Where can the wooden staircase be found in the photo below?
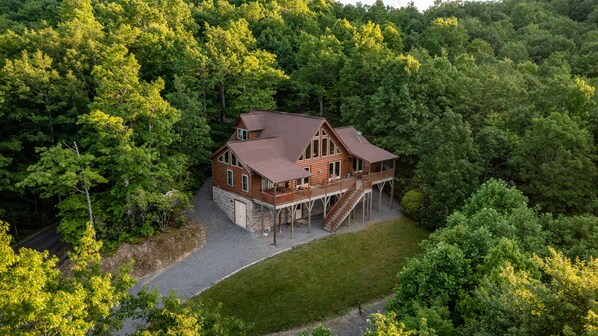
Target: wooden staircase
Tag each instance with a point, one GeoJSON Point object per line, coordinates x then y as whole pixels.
{"type": "Point", "coordinates": [339, 212]}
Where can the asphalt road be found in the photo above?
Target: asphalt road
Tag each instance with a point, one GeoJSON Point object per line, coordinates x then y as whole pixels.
{"type": "Point", "coordinates": [46, 239]}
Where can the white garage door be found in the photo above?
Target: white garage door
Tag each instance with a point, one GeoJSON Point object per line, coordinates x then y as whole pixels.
{"type": "Point", "coordinates": [241, 214]}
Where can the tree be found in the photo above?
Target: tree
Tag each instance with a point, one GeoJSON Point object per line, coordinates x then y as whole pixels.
{"type": "Point", "coordinates": [318, 63]}
{"type": "Point", "coordinates": [35, 298]}
{"type": "Point", "coordinates": [554, 164]}
{"type": "Point", "coordinates": [449, 167]}
{"type": "Point", "coordinates": [193, 130]}
{"type": "Point", "coordinates": [562, 301]}
{"type": "Point", "coordinates": [64, 172]}
{"type": "Point", "coordinates": [445, 35]}
{"type": "Point", "coordinates": [243, 76]}
{"type": "Point", "coordinates": [574, 236]}
{"type": "Point", "coordinates": [494, 228]}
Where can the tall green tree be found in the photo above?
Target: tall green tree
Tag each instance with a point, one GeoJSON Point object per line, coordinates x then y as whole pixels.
{"type": "Point", "coordinates": [65, 172]}
{"type": "Point", "coordinates": [560, 301]}
{"type": "Point", "coordinates": [555, 164]}
{"type": "Point", "coordinates": [242, 76]}
{"type": "Point", "coordinates": [449, 167]}
{"type": "Point", "coordinates": [36, 299]}
{"type": "Point", "coordinates": [318, 64]}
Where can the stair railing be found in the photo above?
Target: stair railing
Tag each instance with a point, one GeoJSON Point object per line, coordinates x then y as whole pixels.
{"type": "Point", "coordinates": [347, 207]}
{"type": "Point", "coordinates": [339, 202]}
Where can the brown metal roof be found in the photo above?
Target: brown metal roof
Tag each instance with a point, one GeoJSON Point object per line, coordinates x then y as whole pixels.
{"type": "Point", "coordinates": [294, 130]}
{"type": "Point", "coordinates": [253, 121]}
{"type": "Point", "coordinates": [360, 147]}
{"type": "Point", "coordinates": [267, 158]}
{"type": "Point", "coordinates": [284, 137]}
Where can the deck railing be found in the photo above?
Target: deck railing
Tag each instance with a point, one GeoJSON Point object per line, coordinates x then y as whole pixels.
{"type": "Point", "coordinates": [373, 177]}
{"type": "Point", "coordinates": [340, 202]}
{"type": "Point", "coordinates": [346, 206]}
{"type": "Point", "coordinates": [285, 196]}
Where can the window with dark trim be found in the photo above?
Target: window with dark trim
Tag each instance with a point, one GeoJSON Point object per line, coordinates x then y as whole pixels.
{"type": "Point", "coordinates": [245, 183]}
{"type": "Point", "coordinates": [241, 134]}
{"type": "Point", "coordinates": [229, 177]}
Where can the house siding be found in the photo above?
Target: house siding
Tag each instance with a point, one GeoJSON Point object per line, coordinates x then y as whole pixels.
{"type": "Point", "coordinates": [261, 218]}
{"type": "Point", "coordinates": [319, 166]}
{"type": "Point", "coordinates": [219, 176]}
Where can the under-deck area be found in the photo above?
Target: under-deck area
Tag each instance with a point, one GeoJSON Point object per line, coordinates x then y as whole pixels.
{"type": "Point", "coordinates": [342, 200]}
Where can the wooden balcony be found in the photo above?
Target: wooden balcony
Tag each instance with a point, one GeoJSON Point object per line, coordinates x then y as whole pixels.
{"type": "Point", "coordinates": [285, 196]}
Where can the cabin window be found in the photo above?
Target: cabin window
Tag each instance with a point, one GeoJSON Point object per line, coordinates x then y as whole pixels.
{"type": "Point", "coordinates": [241, 134]}
{"type": "Point", "coordinates": [266, 184]}
{"type": "Point", "coordinates": [324, 146]}
{"type": "Point", "coordinates": [233, 159]}
{"type": "Point", "coordinates": [229, 177]}
{"type": "Point", "coordinates": [226, 159]}
{"type": "Point", "coordinates": [221, 158]}
{"type": "Point", "coordinates": [316, 148]}
{"type": "Point", "coordinates": [333, 148]}
{"type": "Point", "coordinates": [308, 152]}
{"type": "Point", "coordinates": [303, 182]}
{"type": "Point", "coordinates": [301, 157]}
{"type": "Point", "coordinates": [245, 183]}
{"type": "Point", "coordinates": [357, 165]}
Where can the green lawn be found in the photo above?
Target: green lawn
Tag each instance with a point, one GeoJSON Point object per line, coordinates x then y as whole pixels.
{"type": "Point", "coordinates": [320, 279]}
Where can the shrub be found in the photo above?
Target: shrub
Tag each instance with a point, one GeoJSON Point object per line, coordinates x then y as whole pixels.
{"type": "Point", "coordinates": [411, 202]}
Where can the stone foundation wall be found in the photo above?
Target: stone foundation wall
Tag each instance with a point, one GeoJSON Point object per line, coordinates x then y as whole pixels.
{"type": "Point", "coordinates": [226, 201]}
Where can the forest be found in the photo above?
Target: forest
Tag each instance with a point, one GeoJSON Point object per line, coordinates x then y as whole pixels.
{"type": "Point", "coordinates": [109, 110]}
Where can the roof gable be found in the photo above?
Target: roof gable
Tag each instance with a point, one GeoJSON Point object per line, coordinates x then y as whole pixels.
{"type": "Point", "coordinates": [361, 147]}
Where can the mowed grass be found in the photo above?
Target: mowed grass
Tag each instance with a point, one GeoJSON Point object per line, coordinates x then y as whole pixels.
{"type": "Point", "coordinates": [319, 280]}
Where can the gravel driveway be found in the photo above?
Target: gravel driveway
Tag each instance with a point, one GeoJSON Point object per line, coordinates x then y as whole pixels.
{"type": "Point", "coordinates": [229, 248]}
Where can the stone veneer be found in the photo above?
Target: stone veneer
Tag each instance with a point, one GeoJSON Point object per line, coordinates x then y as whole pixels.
{"type": "Point", "coordinates": [226, 201]}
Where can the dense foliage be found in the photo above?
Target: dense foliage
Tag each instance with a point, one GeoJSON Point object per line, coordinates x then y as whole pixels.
{"type": "Point", "coordinates": [37, 298]}
{"type": "Point", "coordinates": [109, 110]}
{"type": "Point", "coordinates": [491, 271]}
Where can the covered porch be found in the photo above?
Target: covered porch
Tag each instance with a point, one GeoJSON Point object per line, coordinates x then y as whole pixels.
{"type": "Point", "coordinates": [293, 201]}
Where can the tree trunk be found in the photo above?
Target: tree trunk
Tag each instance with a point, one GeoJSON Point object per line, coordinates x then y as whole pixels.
{"type": "Point", "coordinates": [222, 114]}
{"type": "Point", "coordinates": [87, 197]}
{"type": "Point", "coordinates": [321, 101]}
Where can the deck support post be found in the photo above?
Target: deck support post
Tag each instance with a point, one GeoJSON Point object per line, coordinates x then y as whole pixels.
{"type": "Point", "coordinates": [325, 203]}
{"type": "Point", "coordinates": [380, 187]}
{"type": "Point", "coordinates": [283, 216]}
{"type": "Point", "coordinates": [392, 183]}
{"type": "Point", "coordinates": [274, 216]}
{"type": "Point", "coordinates": [310, 206]}
{"type": "Point", "coordinates": [371, 201]}
{"type": "Point", "coordinates": [365, 197]}
{"type": "Point", "coordinates": [262, 211]}
{"type": "Point", "coordinates": [293, 214]}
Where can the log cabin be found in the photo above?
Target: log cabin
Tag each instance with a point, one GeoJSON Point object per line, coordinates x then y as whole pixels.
{"type": "Point", "coordinates": [280, 167]}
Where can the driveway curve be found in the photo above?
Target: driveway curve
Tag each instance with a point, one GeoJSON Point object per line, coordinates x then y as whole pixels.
{"type": "Point", "coordinates": [229, 248]}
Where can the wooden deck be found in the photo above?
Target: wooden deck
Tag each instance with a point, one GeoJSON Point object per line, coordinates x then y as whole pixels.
{"type": "Point", "coordinates": [286, 197]}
